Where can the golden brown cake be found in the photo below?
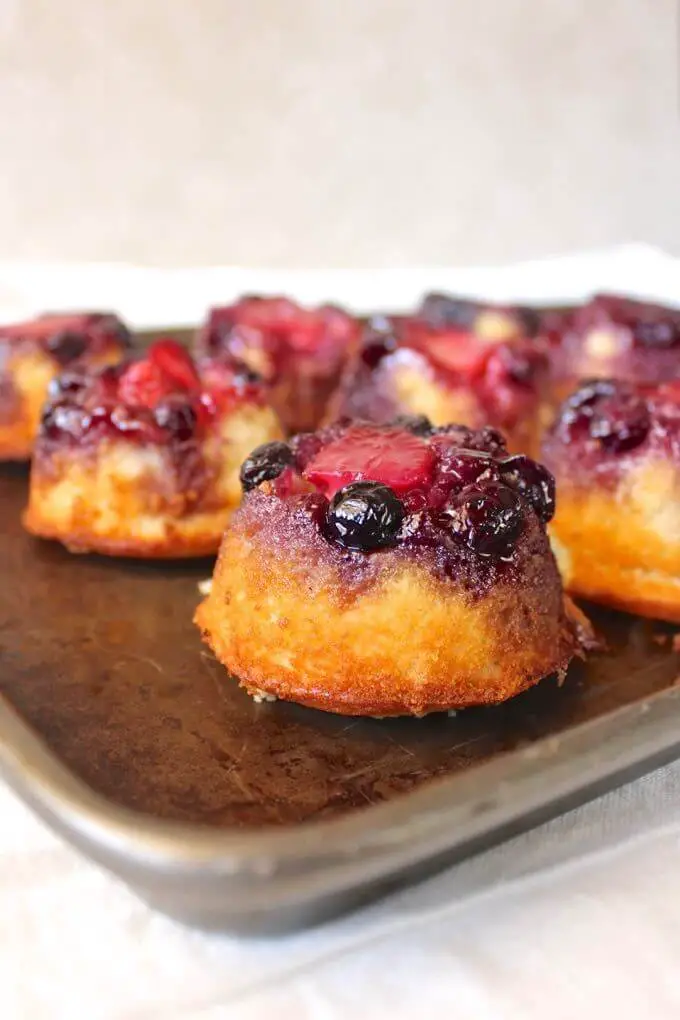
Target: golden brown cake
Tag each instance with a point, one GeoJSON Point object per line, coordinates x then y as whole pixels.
{"type": "Point", "coordinates": [615, 453]}
{"type": "Point", "coordinates": [389, 570]}
{"type": "Point", "coordinates": [33, 353]}
{"type": "Point", "coordinates": [142, 459]}
{"type": "Point", "coordinates": [299, 352]}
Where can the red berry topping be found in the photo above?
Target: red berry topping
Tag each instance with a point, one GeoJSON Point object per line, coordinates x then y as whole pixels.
{"type": "Point", "coordinates": [670, 392]}
{"type": "Point", "coordinates": [611, 412]}
{"type": "Point", "coordinates": [167, 368]}
{"type": "Point", "coordinates": [488, 518]}
{"type": "Point", "coordinates": [456, 351]}
{"type": "Point", "coordinates": [458, 467]}
{"type": "Point", "coordinates": [533, 481]}
{"type": "Point", "coordinates": [649, 325]}
{"type": "Point", "coordinates": [144, 384]}
{"type": "Point", "coordinates": [373, 454]}
{"type": "Point", "coordinates": [278, 325]}
{"type": "Point", "coordinates": [175, 362]}
{"type": "Point", "coordinates": [68, 336]}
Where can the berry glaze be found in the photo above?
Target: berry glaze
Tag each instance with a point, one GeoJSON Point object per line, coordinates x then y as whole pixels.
{"type": "Point", "coordinates": [622, 338]}
{"type": "Point", "coordinates": [164, 398]}
{"type": "Point", "coordinates": [443, 311]}
{"type": "Point", "coordinates": [299, 352]}
{"type": "Point", "coordinates": [66, 338]}
{"type": "Point", "coordinates": [366, 495]}
{"type": "Point", "coordinates": [607, 425]}
{"type": "Point", "coordinates": [503, 372]}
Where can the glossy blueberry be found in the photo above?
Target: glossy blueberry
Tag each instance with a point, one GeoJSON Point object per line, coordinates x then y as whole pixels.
{"type": "Point", "coordinates": [122, 334]}
{"type": "Point", "coordinates": [442, 310]}
{"type": "Point", "coordinates": [64, 419]}
{"type": "Point", "coordinates": [578, 410]}
{"type": "Point", "coordinates": [364, 516]}
{"type": "Point", "coordinates": [486, 439]}
{"type": "Point", "coordinates": [461, 467]}
{"type": "Point", "coordinates": [660, 334]}
{"type": "Point", "coordinates": [530, 319]}
{"type": "Point", "coordinates": [621, 423]}
{"type": "Point", "coordinates": [178, 417]}
{"type": "Point", "coordinates": [379, 339]}
{"type": "Point", "coordinates": [488, 518]}
{"type": "Point", "coordinates": [416, 424]}
{"type": "Point", "coordinates": [66, 385]}
{"type": "Point", "coordinates": [533, 481]}
{"type": "Point", "coordinates": [521, 364]}
{"type": "Point", "coordinates": [245, 376]}
{"type": "Point", "coordinates": [66, 346]}
{"type": "Point", "coordinates": [264, 463]}
{"type": "Point", "coordinates": [590, 392]}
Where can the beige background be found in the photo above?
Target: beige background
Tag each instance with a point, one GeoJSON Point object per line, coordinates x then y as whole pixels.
{"type": "Point", "coordinates": [336, 132]}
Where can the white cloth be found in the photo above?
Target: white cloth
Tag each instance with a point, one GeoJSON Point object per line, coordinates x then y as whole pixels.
{"type": "Point", "coordinates": [580, 917]}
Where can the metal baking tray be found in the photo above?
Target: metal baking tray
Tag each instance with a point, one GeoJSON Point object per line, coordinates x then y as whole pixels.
{"type": "Point", "coordinates": [122, 732]}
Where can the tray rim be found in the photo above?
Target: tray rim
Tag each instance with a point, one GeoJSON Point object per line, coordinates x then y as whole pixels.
{"type": "Point", "coordinates": [369, 842]}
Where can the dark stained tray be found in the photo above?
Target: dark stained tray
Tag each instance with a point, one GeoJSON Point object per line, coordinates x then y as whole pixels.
{"type": "Point", "coordinates": [250, 816]}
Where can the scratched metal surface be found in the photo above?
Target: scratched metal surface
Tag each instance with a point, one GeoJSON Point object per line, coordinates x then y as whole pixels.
{"type": "Point", "coordinates": [101, 658]}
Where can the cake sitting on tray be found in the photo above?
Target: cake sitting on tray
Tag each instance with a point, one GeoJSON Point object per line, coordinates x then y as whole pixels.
{"type": "Point", "coordinates": [389, 570]}
{"type": "Point", "coordinates": [142, 459]}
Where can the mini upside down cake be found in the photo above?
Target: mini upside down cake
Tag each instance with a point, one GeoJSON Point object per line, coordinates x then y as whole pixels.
{"type": "Point", "coordinates": [615, 337]}
{"type": "Point", "coordinates": [142, 459]}
{"type": "Point", "coordinates": [489, 372]}
{"type": "Point", "coordinates": [299, 352]}
{"type": "Point", "coordinates": [389, 570]}
{"type": "Point", "coordinates": [33, 353]}
{"type": "Point", "coordinates": [615, 452]}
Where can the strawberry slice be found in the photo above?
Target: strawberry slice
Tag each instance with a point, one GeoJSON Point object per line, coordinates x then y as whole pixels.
{"type": "Point", "coordinates": [455, 351]}
{"type": "Point", "coordinates": [366, 453]}
{"type": "Point", "coordinates": [669, 391]}
{"type": "Point", "coordinates": [175, 362]}
{"type": "Point", "coordinates": [144, 384]}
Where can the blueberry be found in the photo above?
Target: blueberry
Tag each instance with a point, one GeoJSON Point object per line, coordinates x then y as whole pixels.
{"type": "Point", "coordinates": [66, 385]}
{"type": "Point", "coordinates": [441, 311]}
{"type": "Point", "coordinates": [177, 417]}
{"type": "Point", "coordinates": [379, 339]}
{"type": "Point", "coordinates": [578, 410]}
{"type": "Point", "coordinates": [245, 376]}
{"type": "Point", "coordinates": [121, 333]}
{"type": "Point", "coordinates": [521, 364]}
{"type": "Point", "coordinates": [64, 419]}
{"type": "Point", "coordinates": [530, 319]}
{"type": "Point", "coordinates": [417, 424]}
{"type": "Point", "coordinates": [621, 423]}
{"type": "Point", "coordinates": [486, 439]}
{"type": "Point", "coordinates": [590, 392]}
{"type": "Point", "coordinates": [364, 516]}
{"type": "Point", "coordinates": [264, 463]}
{"type": "Point", "coordinates": [66, 346]}
{"type": "Point", "coordinates": [660, 334]}
{"type": "Point", "coordinates": [488, 518]}
{"type": "Point", "coordinates": [533, 481]}
{"type": "Point", "coordinates": [463, 467]}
